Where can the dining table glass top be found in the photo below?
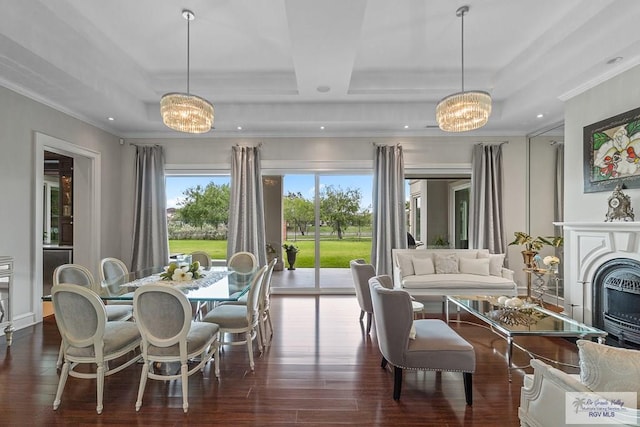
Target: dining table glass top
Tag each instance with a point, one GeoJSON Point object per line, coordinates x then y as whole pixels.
{"type": "Point", "coordinates": [216, 284]}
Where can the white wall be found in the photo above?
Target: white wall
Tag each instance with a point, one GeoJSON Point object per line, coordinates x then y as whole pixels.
{"type": "Point", "coordinates": [615, 96]}
{"type": "Point", "coordinates": [20, 117]}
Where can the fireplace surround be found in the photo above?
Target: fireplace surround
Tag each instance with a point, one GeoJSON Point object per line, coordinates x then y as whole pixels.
{"type": "Point", "coordinates": [597, 252]}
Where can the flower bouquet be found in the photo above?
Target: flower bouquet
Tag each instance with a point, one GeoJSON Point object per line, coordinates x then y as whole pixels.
{"type": "Point", "coordinates": [182, 273]}
{"type": "Point", "coordinates": [552, 263]}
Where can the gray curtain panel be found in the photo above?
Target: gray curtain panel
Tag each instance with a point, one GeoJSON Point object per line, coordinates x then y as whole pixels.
{"type": "Point", "coordinates": [486, 225]}
{"type": "Point", "coordinates": [150, 235]}
{"type": "Point", "coordinates": [558, 200]}
{"type": "Point", "coordinates": [558, 207]}
{"type": "Point", "coordinates": [246, 212]}
{"type": "Point", "coordinates": [389, 224]}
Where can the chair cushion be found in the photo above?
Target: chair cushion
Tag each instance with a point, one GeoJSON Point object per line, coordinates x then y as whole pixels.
{"type": "Point", "coordinates": [609, 369]}
{"type": "Point", "coordinates": [117, 334]}
{"type": "Point", "coordinates": [460, 282]}
{"type": "Point", "coordinates": [119, 312]}
{"type": "Point", "coordinates": [199, 335]}
{"type": "Point", "coordinates": [228, 316]}
{"type": "Point", "coordinates": [438, 347]}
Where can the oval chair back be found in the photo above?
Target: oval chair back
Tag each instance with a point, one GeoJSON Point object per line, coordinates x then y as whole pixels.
{"type": "Point", "coordinates": [112, 268]}
{"type": "Point", "coordinates": [202, 257]}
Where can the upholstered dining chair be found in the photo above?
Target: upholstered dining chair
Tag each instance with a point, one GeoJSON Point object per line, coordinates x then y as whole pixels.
{"type": "Point", "coordinates": [112, 268]}
{"type": "Point", "coordinates": [243, 262]}
{"type": "Point", "coordinates": [87, 337]}
{"type": "Point", "coordinates": [163, 315]}
{"type": "Point", "coordinates": [241, 319]}
{"type": "Point", "coordinates": [362, 272]}
{"type": "Point", "coordinates": [77, 274]}
{"type": "Point", "coordinates": [425, 344]}
{"type": "Point", "coordinates": [264, 305]}
{"type": "Point", "coordinates": [202, 257]}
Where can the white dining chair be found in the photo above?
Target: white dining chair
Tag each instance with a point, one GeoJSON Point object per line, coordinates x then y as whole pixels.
{"type": "Point", "coordinates": [88, 338]}
{"type": "Point", "coordinates": [163, 315]}
{"type": "Point", "coordinates": [79, 275]}
{"type": "Point", "coordinates": [240, 319]}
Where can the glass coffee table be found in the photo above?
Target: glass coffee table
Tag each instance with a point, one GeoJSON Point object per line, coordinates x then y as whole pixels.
{"type": "Point", "coordinates": [527, 320]}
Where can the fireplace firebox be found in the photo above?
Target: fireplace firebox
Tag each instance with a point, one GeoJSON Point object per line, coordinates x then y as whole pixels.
{"type": "Point", "coordinates": [616, 299]}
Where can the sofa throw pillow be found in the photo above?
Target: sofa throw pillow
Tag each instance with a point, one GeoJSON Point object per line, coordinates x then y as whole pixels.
{"type": "Point", "coordinates": [609, 369]}
{"type": "Point", "coordinates": [478, 266]}
{"type": "Point", "coordinates": [496, 262]}
{"type": "Point", "coordinates": [405, 262]}
{"type": "Point", "coordinates": [423, 266]}
{"type": "Point", "coordinates": [447, 264]}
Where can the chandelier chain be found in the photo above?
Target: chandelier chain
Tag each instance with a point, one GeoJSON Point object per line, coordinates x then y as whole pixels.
{"type": "Point", "coordinates": [188, 51]}
{"type": "Point", "coordinates": [462, 45]}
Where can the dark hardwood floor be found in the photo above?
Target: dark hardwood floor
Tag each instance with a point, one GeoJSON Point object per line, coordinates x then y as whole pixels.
{"type": "Point", "coordinates": [321, 369]}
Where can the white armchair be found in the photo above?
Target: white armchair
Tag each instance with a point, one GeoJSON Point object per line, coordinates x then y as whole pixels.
{"type": "Point", "coordinates": [543, 398]}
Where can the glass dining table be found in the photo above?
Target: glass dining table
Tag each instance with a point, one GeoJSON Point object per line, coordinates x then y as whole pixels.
{"type": "Point", "coordinates": [217, 284]}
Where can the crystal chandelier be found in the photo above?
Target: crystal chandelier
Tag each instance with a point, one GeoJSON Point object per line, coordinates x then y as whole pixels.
{"type": "Point", "coordinates": [463, 111]}
{"type": "Point", "coordinates": [185, 112]}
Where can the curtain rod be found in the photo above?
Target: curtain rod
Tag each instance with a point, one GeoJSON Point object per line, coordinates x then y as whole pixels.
{"type": "Point", "coordinates": [144, 145]}
{"type": "Point", "coordinates": [494, 143]}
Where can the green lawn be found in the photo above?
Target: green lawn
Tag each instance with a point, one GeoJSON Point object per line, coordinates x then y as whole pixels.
{"type": "Point", "coordinates": [333, 253]}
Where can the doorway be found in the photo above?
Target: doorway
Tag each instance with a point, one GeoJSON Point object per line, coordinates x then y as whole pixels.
{"type": "Point", "coordinates": [327, 217]}
{"type": "Point", "coordinates": [86, 196]}
{"type": "Point", "coordinates": [57, 218]}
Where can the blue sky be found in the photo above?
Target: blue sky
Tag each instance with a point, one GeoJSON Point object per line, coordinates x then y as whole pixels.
{"type": "Point", "coordinates": [303, 184]}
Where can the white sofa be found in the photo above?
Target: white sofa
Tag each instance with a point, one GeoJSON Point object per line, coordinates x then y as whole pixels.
{"type": "Point", "coordinates": [544, 399]}
{"type": "Point", "coordinates": [476, 273]}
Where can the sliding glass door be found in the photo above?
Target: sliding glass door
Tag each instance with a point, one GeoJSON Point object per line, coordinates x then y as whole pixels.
{"type": "Point", "coordinates": [327, 217]}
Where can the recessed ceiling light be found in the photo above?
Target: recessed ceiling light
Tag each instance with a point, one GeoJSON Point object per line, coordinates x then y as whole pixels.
{"type": "Point", "coordinates": [321, 127]}
{"type": "Point", "coordinates": [406, 126]}
{"type": "Point", "coordinates": [323, 89]}
{"type": "Point", "coordinates": [110, 119]}
{"type": "Point", "coordinates": [540, 116]}
{"type": "Point", "coordinates": [239, 128]}
{"type": "Point", "coordinates": [614, 60]}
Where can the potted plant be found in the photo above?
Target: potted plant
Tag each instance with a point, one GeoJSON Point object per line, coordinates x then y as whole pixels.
{"type": "Point", "coordinates": [291, 251]}
{"type": "Point", "coordinates": [533, 244]}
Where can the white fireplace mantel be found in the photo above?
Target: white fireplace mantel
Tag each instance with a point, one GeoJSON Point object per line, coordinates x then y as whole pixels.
{"type": "Point", "coordinates": [587, 245]}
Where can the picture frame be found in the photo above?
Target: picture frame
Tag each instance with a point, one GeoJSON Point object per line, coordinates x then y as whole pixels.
{"type": "Point", "coordinates": [612, 153]}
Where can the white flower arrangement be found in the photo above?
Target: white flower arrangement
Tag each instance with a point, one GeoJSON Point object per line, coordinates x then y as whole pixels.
{"type": "Point", "coordinates": [551, 260]}
{"type": "Point", "coordinates": [182, 273]}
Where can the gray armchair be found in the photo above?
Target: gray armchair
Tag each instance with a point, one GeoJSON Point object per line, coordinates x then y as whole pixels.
{"type": "Point", "coordinates": [362, 272]}
{"type": "Point", "coordinates": [435, 347]}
